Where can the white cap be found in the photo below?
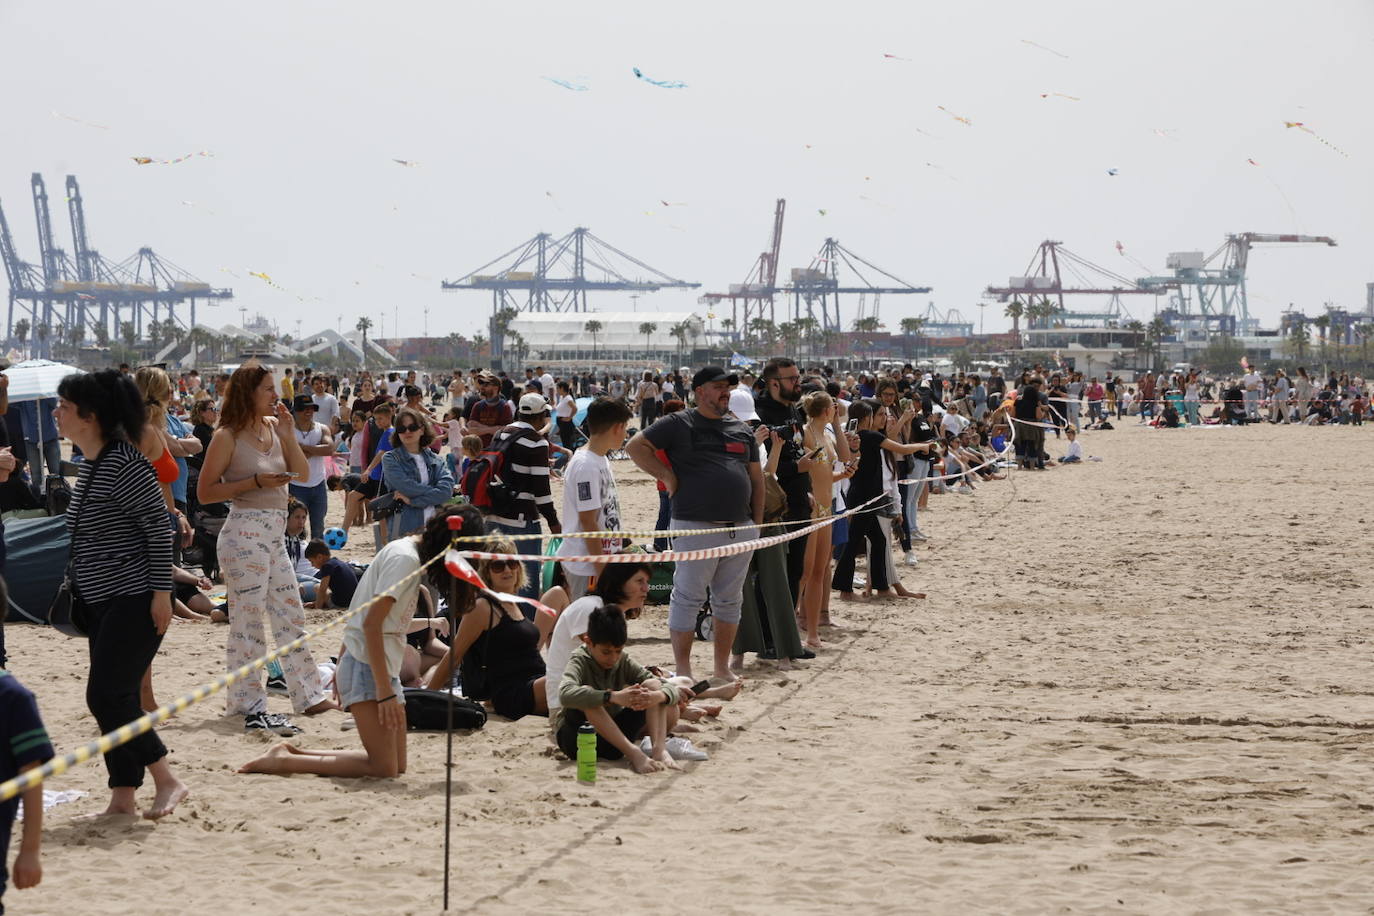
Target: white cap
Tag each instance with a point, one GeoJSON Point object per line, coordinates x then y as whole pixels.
{"type": "Point", "coordinates": [532, 405]}
{"type": "Point", "coordinates": [742, 404]}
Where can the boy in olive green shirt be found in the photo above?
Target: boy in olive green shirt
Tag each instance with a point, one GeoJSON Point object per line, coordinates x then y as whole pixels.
{"type": "Point", "coordinates": [622, 700]}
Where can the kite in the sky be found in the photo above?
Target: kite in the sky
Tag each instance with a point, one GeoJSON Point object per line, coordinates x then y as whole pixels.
{"type": "Point", "coordinates": [58, 114]}
{"type": "Point", "coordinates": [895, 57]}
{"type": "Point", "coordinates": [147, 160]}
{"type": "Point", "coordinates": [272, 283]}
{"type": "Point", "coordinates": [956, 117]}
{"type": "Point", "coordinates": [940, 168]}
{"type": "Point", "coordinates": [1060, 95]}
{"type": "Point", "coordinates": [1027, 41]}
{"type": "Point", "coordinates": [1112, 172]}
{"type": "Point", "coordinates": [567, 84]}
{"type": "Point", "coordinates": [662, 84]}
{"type": "Point", "coordinates": [1162, 132]}
{"type": "Point", "coordinates": [1301, 126]}
{"type": "Point", "coordinates": [1120, 248]}
{"type": "Point", "coordinates": [1269, 178]}
{"type": "Point", "coordinates": [408, 163]}
{"type": "Point", "coordinates": [821, 212]}
{"type": "Point", "coordinates": [667, 204]}
{"type": "Point", "coordinates": [192, 203]}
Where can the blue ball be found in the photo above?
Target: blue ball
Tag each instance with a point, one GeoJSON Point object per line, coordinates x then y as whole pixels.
{"type": "Point", "coordinates": [335, 538]}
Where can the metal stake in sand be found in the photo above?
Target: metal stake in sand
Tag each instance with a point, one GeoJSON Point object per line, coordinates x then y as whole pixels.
{"type": "Point", "coordinates": [455, 525]}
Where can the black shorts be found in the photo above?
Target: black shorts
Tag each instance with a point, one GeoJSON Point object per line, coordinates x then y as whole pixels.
{"type": "Point", "coordinates": [184, 592]}
{"type": "Point", "coordinates": [369, 488]}
{"type": "Point", "coordinates": [515, 699]}
{"type": "Point", "coordinates": [631, 722]}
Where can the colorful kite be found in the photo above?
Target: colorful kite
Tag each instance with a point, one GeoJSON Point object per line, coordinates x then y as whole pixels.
{"type": "Point", "coordinates": [1027, 41]}
{"type": "Point", "coordinates": [1120, 248]}
{"type": "Point", "coordinates": [567, 84]}
{"type": "Point", "coordinates": [662, 84]}
{"type": "Point", "coordinates": [1162, 132]}
{"type": "Point", "coordinates": [964, 121]}
{"type": "Point", "coordinates": [895, 57]}
{"type": "Point", "coordinates": [1301, 126]}
{"type": "Point", "coordinates": [1060, 95]}
{"type": "Point", "coordinates": [58, 114]}
{"type": "Point", "coordinates": [146, 160]}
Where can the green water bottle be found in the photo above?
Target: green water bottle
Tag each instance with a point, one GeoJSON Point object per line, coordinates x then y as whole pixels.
{"type": "Point", "coordinates": [586, 753]}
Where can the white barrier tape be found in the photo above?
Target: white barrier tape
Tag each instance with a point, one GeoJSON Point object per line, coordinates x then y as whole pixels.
{"type": "Point", "coordinates": [705, 553]}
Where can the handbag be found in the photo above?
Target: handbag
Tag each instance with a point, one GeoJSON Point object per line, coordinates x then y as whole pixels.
{"type": "Point", "coordinates": [472, 672]}
{"type": "Point", "coordinates": [68, 614]}
{"type": "Point", "coordinates": [384, 506]}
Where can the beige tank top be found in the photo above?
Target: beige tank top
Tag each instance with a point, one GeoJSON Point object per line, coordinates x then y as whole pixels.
{"type": "Point", "coordinates": [248, 460]}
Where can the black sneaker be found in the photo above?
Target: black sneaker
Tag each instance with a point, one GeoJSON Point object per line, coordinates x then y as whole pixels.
{"type": "Point", "coordinates": [273, 723]}
{"type": "Point", "coordinates": [277, 686]}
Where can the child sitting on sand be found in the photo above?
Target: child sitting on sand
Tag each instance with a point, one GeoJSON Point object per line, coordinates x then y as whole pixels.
{"type": "Point", "coordinates": [623, 701]}
{"type": "Point", "coordinates": [337, 580]}
{"type": "Point", "coordinates": [1074, 455]}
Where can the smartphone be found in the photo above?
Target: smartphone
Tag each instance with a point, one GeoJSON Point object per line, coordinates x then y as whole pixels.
{"type": "Point", "coordinates": [851, 426]}
{"type": "Point", "coordinates": [700, 686]}
{"type": "Point", "coordinates": [292, 474]}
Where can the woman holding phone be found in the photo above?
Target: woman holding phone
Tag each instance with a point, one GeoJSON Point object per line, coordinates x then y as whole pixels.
{"type": "Point", "coordinates": [252, 457]}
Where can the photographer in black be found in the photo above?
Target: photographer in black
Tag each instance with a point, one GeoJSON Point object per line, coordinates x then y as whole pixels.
{"type": "Point", "coordinates": [777, 407]}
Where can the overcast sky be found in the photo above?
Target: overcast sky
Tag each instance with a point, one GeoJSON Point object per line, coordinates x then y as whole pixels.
{"type": "Point", "coordinates": [305, 105]}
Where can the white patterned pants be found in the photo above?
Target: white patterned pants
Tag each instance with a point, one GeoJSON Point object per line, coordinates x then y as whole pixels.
{"type": "Point", "coordinates": [252, 556]}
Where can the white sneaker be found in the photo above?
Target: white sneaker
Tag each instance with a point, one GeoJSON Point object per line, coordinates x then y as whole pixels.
{"type": "Point", "coordinates": [919, 535]}
{"type": "Point", "coordinates": [677, 748]}
{"type": "Point", "coordinates": [909, 559]}
{"type": "Point", "coordinates": [964, 489]}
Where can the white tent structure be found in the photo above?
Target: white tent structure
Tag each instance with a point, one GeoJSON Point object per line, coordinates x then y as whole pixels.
{"type": "Point", "coordinates": [563, 335]}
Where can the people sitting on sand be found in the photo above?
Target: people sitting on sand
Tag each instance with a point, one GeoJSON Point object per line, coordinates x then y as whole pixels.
{"type": "Point", "coordinates": [335, 580]}
{"type": "Point", "coordinates": [1074, 453]}
{"type": "Point", "coordinates": [498, 644]}
{"type": "Point", "coordinates": [621, 699]}
{"type": "Point", "coordinates": [367, 678]}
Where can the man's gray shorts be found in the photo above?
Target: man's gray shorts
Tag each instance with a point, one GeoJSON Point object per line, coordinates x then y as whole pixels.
{"type": "Point", "coordinates": [722, 576]}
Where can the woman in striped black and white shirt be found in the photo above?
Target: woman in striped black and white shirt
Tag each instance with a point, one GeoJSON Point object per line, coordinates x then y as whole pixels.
{"type": "Point", "coordinates": [122, 572]}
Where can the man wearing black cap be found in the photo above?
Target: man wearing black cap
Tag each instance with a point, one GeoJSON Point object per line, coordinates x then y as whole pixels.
{"type": "Point", "coordinates": [318, 444]}
{"type": "Point", "coordinates": [714, 480]}
{"type": "Point", "coordinates": [777, 407]}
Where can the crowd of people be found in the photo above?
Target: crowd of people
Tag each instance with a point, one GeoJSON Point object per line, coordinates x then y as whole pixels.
{"type": "Point", "coordinates": [186, 482]}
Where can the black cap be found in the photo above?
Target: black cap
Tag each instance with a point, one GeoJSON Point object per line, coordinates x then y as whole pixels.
{"type": "Point", "coordinates": [713, 374]}
{"type": "Point", "coordinates": [303, 402]}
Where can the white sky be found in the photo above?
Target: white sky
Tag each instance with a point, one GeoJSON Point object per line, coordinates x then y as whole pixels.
{"type": "Point", "coordinates": [304, 105]}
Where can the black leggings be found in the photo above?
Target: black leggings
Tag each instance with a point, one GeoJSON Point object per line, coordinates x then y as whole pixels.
{"type": "Point", "coordinates": [863, 526]}
{"type": "Point", "coordinates": [567, 434]}
{"type": "Point", "coordinates": [123, 643]}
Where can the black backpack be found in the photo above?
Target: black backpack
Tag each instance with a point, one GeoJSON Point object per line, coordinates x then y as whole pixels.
{"type": "Point", "coordinates": [427, 710]}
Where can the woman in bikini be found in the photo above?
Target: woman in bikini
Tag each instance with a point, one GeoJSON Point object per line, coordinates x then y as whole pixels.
{"type": "Point", "coordinates": [819, 408]}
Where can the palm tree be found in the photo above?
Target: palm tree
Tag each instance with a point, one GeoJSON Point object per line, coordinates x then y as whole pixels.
{"type": "Point", "coordinates": [1364, 331]}
{"type": "Point", "coordinates": [128, 333]}
{"type": "Point", "coordinates": [1014, 311]}
{"type": "Point", "coordinates": [593, 327]}
{"type": "Point", "coordinates": [287, 340]}
{"type": "Point", "coordinates": [648, 328]}
{"type": "Point", "coordinates": [21, 331]}
{"type": "Point", "coordinates": [75, 335]}
{"type": "Point", "coordinates": [1138, 329]}
{"type": "Point", "coordinates": [679, 332]}
{"type": "Point", "coordinates": [363, 326]}
{"type": "Point", "coordinates": [789, 333]}
{"type": "Point", "coordinates": [42, 332]}
{"type": "Point", "coordinates": [1298, 340]}
{"type": "Point", "coordinates": [809, 328]}
{"type": "Point", "coordinates": [479, 341]}
{"type": "Point", "coordinates": [867, 325]}
{"type": "Point", "coordinates": [500, 324]}
{"type": "Point", "coordinates": [102, 335]}
{"type": "Point", "coordinates": [1155, 334]}
{"type": "Point", "coordinates": [1323, 322]}
{"type": "Point", "coordinates": [911, 327]}
{"type": "Point", "coordinates": [762, 330]}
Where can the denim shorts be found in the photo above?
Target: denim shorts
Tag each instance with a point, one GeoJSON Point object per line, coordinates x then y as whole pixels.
{"type": "Point", "coordinates": [354, 680]}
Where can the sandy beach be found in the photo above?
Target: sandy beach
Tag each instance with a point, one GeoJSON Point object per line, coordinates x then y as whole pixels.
{"type": "Point", "coordinates": [1139, 685]}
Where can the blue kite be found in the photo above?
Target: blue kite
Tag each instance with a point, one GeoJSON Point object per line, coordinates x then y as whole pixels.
{"type": "Point", "coordinates": [662, 84]}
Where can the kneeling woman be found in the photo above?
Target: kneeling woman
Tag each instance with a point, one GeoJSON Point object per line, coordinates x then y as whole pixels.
{"type": "Point", "coordinates": [503, 638]}
{"type": "Point", "coordinates": [374, 646]}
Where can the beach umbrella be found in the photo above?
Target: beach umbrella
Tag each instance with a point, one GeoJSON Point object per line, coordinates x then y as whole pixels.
{"type": "Point", "coordinates": [581, 413]}
{"type": "Point", "coordinates": [36, 378]}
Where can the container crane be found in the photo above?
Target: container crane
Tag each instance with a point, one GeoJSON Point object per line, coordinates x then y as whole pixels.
{"type": "Point", "coordinates": [1217, 294]}
{"type": "Point", "coordinates": [822, 283]}
{"type": "Point", "coordinates": [1043, 279]}
{"type": "Point", "coordinates": [752, 300]}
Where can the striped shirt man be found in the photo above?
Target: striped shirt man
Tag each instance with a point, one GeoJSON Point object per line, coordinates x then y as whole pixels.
{"type": "Point", "coordinates": [526, 473]}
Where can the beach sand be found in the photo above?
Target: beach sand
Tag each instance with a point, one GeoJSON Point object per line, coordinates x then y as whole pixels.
{"type": "Point", "coordinates": [1139, 685]}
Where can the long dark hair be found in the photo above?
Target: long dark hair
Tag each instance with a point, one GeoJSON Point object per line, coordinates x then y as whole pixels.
{"type": "Point", "coordinates": [610, 585]}
{"type": "Point", "coordinates": [435, 539]}
{"type": "Point", "coordinates": [111, 398]}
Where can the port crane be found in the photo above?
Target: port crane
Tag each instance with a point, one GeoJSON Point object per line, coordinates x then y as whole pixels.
{"type": "Point", "coordinates": [817, 288]}
{"type": "Point", "coordinates": [753, 299]}
{"type": "Point", "coordinates": [1217, 294]}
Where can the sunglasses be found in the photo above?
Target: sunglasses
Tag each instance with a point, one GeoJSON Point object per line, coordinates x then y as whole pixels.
{"type": "Point", "coordinates": [502, 565]}
{"type": "Point", "coordinates": [408, 428]}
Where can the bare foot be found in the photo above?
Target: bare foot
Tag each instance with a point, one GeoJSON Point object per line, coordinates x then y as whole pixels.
{"type": "Point", "coordinates": [114, 810]}
{"type": "Point", "coordinates": [683, 728]}
{"type": "Point", "coordinates": [906, 594]}
{"type": "Point", "coordinates": [852, 596]}
{"type": "Point", "coordinates": [321, 706]}
{"type": "Point", "coordinates": [711, 709]}
{"type": "Point", "coordinates": [263, 764]}
{"type": "Point", "coordinates": [665, 760]}
{"type": "Point", "coordinates": [729, 690]}
{"type": "Point", "coordinates": [643, 764]}
{"type": "Point", "coordinates": [167, 799]}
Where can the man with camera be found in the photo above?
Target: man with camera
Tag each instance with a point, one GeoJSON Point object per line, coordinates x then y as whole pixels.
{"type": "Point", "coordinates": [777, 407]}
